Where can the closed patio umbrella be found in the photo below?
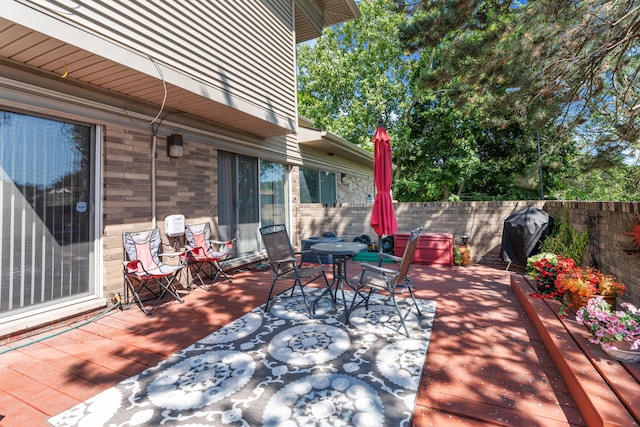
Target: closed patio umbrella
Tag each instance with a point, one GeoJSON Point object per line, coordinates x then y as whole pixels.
{"type": "Point", "coordinates": [383, 217]}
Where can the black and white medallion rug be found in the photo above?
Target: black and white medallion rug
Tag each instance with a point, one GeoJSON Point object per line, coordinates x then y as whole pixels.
{"type": "Point", "coordinates": [280, 368]}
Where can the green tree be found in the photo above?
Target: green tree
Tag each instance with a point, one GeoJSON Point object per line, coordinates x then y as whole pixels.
{"type": "Point", "coordinates": [355, 74]}
{"type": "Point", "coordinates": [572, 61]}
{"type": "Point", "coordinates": [468, 88]}
{"type": "Point", "coordinates": [439, 154]}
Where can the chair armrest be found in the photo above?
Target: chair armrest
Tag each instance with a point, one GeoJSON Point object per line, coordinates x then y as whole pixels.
{"type": "Point", "coordinates": [134, 266]}
{"type": "Point", "coordinates": [227, 243]}
{"type": "Point", "coordinates": [383, 256]}
{"type": "Point", "coordinates": [309, 251]}
{"type": "Point", "coordinates": [280, 261]}
{"type": "Point", "coordinates": [381, 270]}
{"type": "Point", "coordinates": [172, 254]}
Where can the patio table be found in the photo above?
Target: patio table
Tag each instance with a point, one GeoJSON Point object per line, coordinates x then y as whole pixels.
{"type": "Point", "coordinates": [341, 252]}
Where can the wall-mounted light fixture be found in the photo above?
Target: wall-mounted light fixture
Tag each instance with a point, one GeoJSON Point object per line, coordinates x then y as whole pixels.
{"type": "Point", "coordinates": [174, 145]}
{"type": "Point", "coordinates": [342, 177]}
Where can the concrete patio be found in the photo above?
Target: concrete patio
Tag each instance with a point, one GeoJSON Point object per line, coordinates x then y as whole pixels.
{"type": "Point", "coordinates": [495, 358]}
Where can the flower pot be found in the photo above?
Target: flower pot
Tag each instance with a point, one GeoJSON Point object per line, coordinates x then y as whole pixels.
{"type": "Point", "coordinates": [627, 356]}
{"type": "Point", "coordinates": [579, 301]}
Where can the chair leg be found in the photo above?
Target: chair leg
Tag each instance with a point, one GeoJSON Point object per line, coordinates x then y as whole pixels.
{"type": "Point", "coordinates": [366, 299]}
{"type": "Point", "coordinates": [273, 283]}
{"type": "Point", "coordinates": [215, 271]}
{"type": "Point", "coordinates": [167, 288]}
{"type": "Point", "coordinates": [357, 293]}
{"type": "Point", "coordinates": [347, 315]}
{"type": "Point", "coordinates": [363, 299]}
{"type": "Point", "coordinates": [170, 288]}
{"type": "Point", "coordinates": [125, 293]}
{"type": "Point", "coordinates": [413, 298]}
{"type": "Point", "coordinates": [395, 303]}
{"type": "Point", "coordinates": [298, 282]}
{"type": "Point", "coordinates": [198, 271]}
{"type": "Point", "coordinates": [220, 271]}
{"type": "Point", "coordinates": [143, 284]}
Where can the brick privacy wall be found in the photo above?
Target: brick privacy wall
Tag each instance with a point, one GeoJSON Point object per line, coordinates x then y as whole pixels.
{"type": "Point", "coordinates": [613, 220]}
{"type": "Point", "coordinates": [484, 222]}
{"type": "Point", "coordinates": [186, 185]}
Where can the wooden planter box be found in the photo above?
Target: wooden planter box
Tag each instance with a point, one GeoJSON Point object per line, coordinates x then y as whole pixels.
{"type": "Point", "coordinates": [432, 249]}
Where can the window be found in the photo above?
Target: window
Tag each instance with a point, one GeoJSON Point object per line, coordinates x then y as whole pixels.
{"type": "Point", "coordinates": [317, 186]}
{"type": "Point", "coordinates": [273, 206]}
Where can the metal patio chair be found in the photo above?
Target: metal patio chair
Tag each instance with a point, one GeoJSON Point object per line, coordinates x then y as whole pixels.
{"type": "Point", "coordinates": [202, 253]}
{"type": "Point", "coordinates": [376, 278]}
{"type": "Point", "coordinates": [144, 272]}
{"type": "Point", "coordinates": [286, 263]}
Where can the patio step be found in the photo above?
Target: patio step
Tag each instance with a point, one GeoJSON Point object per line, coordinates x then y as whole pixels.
{"type": "Point", "coordinates": [607, 392]}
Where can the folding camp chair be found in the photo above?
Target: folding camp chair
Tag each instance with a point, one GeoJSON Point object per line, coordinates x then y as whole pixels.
{"type": "Point", "coordinates": [203, 252]}
{"type": "Point", "coordinates": [394, 281]}
{"type": "Point", "coordinates": [145, 272]}
{"type": "Point", "coordinates": [287, 263]}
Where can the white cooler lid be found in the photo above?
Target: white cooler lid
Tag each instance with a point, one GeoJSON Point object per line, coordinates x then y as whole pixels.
{"type": "Point", "coordinates": [174, 225]}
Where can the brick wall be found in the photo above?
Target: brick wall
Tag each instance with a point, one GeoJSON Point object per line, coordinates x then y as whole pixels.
{"type": "Point", "coordinates": [186, 185]}
{"type": "Point", "coordinates": [484, 221]}
{"type": "Point", "coordinates": [607, 238]}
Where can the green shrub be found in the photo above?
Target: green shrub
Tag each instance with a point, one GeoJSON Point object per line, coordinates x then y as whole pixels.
{"type": "Point", "coordinates": [566, 241]}
{"type": "Point", "coordinates": [457, 256]}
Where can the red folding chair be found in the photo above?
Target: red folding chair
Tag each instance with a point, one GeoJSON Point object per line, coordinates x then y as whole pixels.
{"type": "Point", "coordinates": [204, 253]}
{"type": "Point", "coordinates": [144, 272]}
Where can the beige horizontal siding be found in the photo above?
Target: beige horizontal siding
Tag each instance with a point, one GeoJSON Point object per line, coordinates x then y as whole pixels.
{"type": "Point", "coordinates": [242, 47]}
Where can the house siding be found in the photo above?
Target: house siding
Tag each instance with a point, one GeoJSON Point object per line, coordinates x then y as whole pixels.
{"type": "Point", "coordinates": [226, 70]}
{"type": "Point", "coordinates": [240, 49]}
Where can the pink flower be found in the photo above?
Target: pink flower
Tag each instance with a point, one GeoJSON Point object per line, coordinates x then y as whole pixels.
{"type": "Point", "coordinates": [609, 327]}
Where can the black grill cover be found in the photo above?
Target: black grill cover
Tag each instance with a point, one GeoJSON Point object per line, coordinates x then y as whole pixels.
{"type": "Point", "coordinates": [521, 234]}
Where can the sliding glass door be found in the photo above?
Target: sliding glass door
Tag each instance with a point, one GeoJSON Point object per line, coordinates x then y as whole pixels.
{"type": "Point", "coordinates": [251, 193]}
{"type": "Point", "coordinates": [46, 221]}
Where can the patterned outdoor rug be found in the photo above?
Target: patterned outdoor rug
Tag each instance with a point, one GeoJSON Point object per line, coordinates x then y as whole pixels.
{"type": "Point", "coordinates": [280, 368]}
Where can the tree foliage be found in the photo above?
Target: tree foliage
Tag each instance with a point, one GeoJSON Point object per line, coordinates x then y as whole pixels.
{"type": "Point", "coordinates": [572, 61]}
{"type": "Point", "coordinates": [439, 154]}
{"type": "Point", "coordinates": [468, 88]}
{"type": "Point", "coordinates": [356, 74]}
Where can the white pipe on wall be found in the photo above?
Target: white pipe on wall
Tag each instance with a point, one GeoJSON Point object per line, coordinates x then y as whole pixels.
{"type": "Point", "coordinates": [154, 145]}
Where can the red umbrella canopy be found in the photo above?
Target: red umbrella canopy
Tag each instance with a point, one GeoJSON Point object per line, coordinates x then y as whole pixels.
{"type": "Point", "coordinates": [383, 217]}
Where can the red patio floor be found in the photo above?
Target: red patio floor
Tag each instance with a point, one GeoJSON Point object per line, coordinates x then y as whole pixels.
{"type": "Point", "coordinates": [486, 363]}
